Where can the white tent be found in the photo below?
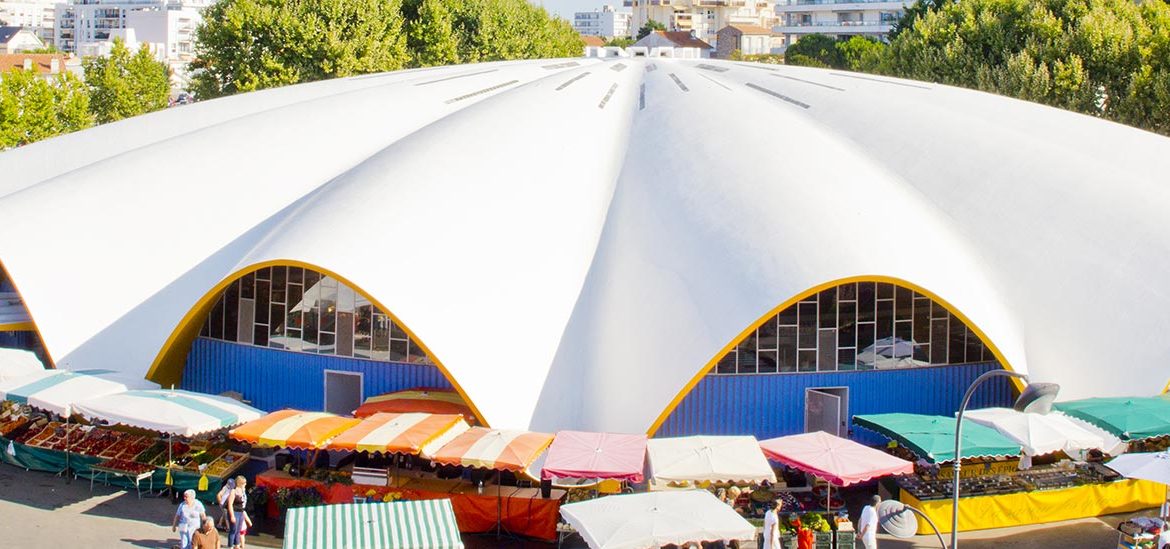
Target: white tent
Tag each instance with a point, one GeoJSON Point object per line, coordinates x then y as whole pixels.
{"type": "Point", "coordinates": [58, 390]}
{"type": "Point", "coordinates": [180, 413]}
{"type": "Point", "coordinates": [1038, 434]}
{"type": "Point", "coordinates": [15, 363]}
{"type": "Point", "coordinates": [1153, 466]}
{"type": "Point", "coordinates": [708, 458]}
{"type": "Point", "coordinates": [637, 521]}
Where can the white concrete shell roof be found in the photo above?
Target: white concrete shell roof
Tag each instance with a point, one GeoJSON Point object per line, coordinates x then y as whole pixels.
{"type": "Point", "coordinates": [574, 241]}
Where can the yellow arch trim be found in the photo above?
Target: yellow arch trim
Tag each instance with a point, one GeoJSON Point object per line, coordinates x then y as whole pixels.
{"type": "Point", "coordinates": [30, 325]}
{"type": "Point", "coordinates": [168, 365]}
{"type": "Point", "coordinates": [690, 386]}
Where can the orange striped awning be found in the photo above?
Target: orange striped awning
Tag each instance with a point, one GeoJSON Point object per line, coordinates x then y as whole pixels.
{"type": "Point", "coordinates": [493, 449]}
{"type": "Point", "coordinates": [431, 401]}
{"type": "Point", "coordinates": [401, 433]}
{"type": "Point", "coordinates": [294, 429]}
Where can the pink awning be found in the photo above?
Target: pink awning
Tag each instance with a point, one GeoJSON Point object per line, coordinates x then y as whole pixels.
{"type": "Point", "coordinates": [577, 454]}
{"type": "Point", "coordinates": [839, 461]}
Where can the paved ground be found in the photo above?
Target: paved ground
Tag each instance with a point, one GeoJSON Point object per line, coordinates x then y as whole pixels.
{"type": "Point", "coordinates": [42, 510]}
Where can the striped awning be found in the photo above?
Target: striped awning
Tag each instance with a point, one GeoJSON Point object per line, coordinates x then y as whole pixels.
{"type": "Point", "coordinates": [401, 433]}
{"type": "Point", "coordinates": [294, 429]}
{"type": "Point", "coordinates": [426, 524]}
{"type": "Point", "coordinates": [432, 401]}
{"type": "Point", "coordinates": [177, 412]}
{"type": "Point", "coordinates": [493, 449]}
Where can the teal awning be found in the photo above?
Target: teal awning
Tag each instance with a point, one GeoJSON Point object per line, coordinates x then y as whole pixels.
{"type": "Point", "coordinates": [933, 437]}
{"type": "Point", "coordinates": [1129, 418]}
{"type": "Point", "coordinates": [427, 524]}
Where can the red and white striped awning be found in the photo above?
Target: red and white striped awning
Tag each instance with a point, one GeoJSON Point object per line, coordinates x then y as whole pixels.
{"type": "Point", "coordinates": [412, 433]}
{"type": "Point", "coordinates": [493, 449]}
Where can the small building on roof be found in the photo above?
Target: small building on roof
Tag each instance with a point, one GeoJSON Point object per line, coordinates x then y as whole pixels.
{"type": "Point", "coordinates": [19, 39]}
{"type": "Point", "coordinates": [45, 64]}
{"type": "Point", "coordinates": [748, 39]}
{"type": "Point", "coordinates": [674, 39]}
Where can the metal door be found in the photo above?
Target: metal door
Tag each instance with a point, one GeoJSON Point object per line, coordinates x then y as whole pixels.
{"type": "Point", "coordinates": [343, 392]}
{"type": "Point", "coordinates": [822, 412]}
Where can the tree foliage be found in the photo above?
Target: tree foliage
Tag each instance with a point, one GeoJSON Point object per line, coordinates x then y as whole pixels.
{"type": "Point", "coordinates": [650, 26]}
{"type": "Point", "coordinates": [620, 42]}
{"type": "Point", "coordinates": [124, 84]}
{"type": "Point", "coordinates": [1108, 58]}
{"type": "Point", "coordinates": [248, 45]}
{"type": "Point", "coordinates": [815, 50]}
{"type": "Point", "coordinates": [862, 54]}
{"type": "Point", "coordinates": [32, 108]}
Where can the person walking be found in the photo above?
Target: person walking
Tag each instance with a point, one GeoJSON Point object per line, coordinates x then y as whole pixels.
{"type": "Point", "coordinates": [867, 523]}
{"type": "Point", "coordinates": [188, 517]}
{"type": "Point", "coordinates": [206, 537]}
{"type": "Point", "coordinates": [238, 519]}
{"type": "Point", "coordinates": [772, 526]}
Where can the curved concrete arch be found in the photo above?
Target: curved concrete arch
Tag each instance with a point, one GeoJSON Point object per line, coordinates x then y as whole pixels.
{"type": "Point", "coordinates": [747, 332]}
{"type": "Point", "coordinates": [167, 368]}
{"type": "Point", "coordinates": [30, 326]}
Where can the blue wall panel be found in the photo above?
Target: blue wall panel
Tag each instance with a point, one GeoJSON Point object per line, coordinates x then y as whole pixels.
{"type": "Point", "coordinates": [274, 379]}
{"type": "Point", "coordinates": [771, 405]}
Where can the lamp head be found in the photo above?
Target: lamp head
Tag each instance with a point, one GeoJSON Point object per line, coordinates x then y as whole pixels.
{"type": "Point", "coordinates": [897, 519]}
{"type": "Point", "coordinates": [1037, 398]}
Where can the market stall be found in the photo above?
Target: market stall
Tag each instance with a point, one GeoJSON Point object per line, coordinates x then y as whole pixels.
{"type": "Point", "coordinates": [427, 400]}
{"type": "Point", "coordinates": [600, 456]}
{"type": "Point", "coordinates": [16, 363]}
{"type": "Point", "coordinates": [1039, 434]}
{"type": "Point", "coordinates": [995, 491]}
{"type": "Point", "coordinates": [498, 450]}
{"type": "Point", "coordinates": [294, 429]}
{"type": "Point", "coordinates": [428, 524]}
{"type": "Point", "coordinates": [655, 519]}
{"type": "Point", "coordinates": [679, 462]}
{"type": "Point", "coordinates": [406, 433]}
{"type": "Point", "coordinates": [1130, 418]}
{"type": "Point", "coordinates": [838, 461]}
{"type": "Point", "coordinates": [57, 390]}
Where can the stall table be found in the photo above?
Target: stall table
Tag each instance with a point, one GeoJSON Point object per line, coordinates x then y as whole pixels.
{"type": "Point", "coordinates": [1039, 506]}
{"type": "Point", "coordinates": [136, 479]}
{"type": "Point", "coordinates": [524, 512]}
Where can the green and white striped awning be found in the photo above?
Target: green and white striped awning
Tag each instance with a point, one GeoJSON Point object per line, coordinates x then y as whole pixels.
{"type": "Point", "coordinates": [404, 524]}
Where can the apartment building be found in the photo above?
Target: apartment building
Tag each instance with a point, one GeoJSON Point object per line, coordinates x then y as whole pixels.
{"type": "Point", "coordinates": [703, 18]}
{"type": "Point", "coordinates": [37, 15]}
{"type": "Point", "coordinates": [607, 22]}
{"type": "Point", "coordinates": [837, 18]}
{"type": "Point", "coordinates": [83, 24]}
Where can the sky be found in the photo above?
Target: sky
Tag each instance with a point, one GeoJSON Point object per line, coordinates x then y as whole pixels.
{"type": "Point", "coordinates": [566, 8]}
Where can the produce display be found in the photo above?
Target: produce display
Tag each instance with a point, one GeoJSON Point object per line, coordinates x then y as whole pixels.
{"type": "Point", "coordinates": [132, 468]}
{"type": "Point", "coordinates": [1051, 477]}
{"type": "Point", "coordinates": [226, 464]}
{"type": "Point", "coordinates": [13, 417]}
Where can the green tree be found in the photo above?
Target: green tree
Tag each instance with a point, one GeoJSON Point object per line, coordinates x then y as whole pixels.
{"type": "Point", "coordinates": [815, 50]}
{"type": "Point", "coordinates": [862, 54]}
{"type": "Point", "coordinates": [650, 26]}
{"type": "Point", "coordinates": [1107, 58]}
{"type": "Point", "coordinates": [620, 42]}
{"type": "Point", "coordinates": [245, 45]}
{"type": "Point", "coordinates": [432, 38]}
{"type": "Point", "coordinates": [496, 30]}
{"type": "Point", "coordinates": [122, 84]}
{"type": "Point", "coordinates": [32, 108]}
{"type": "Point", "coordinates": [912, 13]}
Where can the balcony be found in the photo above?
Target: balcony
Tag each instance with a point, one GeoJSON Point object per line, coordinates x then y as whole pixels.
{"type": "Point", "coordinates": [720, 3]}
{"type": "Point", "coordinates": [835, 27]}
{"type": "Point", "coordinates": [806, 6]}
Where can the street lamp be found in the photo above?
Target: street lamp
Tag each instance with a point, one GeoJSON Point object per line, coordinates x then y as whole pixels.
{"type": "Point", "coordinates": [1035, 398]}
{"type": "Point", "coordinates": [894, 519]}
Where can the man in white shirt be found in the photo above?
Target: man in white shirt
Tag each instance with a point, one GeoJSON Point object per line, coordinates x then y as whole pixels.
{"type": "Point", "coordinates": [771, 525]}
{"type": "Point", "coordinates": [867, 524]}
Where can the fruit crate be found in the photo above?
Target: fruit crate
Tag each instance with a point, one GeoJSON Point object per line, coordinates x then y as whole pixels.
{"type": "Point", "coordinates": [822, 540]}
{"type": "Point", "coordinates": [845, 540]}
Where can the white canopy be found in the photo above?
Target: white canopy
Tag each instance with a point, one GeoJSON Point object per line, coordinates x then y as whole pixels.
{"type": "Point", "coordinates": [180, 413]}
{"type": "Point", "coordinates": [1038, 434]}
{"type": "Point", "coordinates": [653, 519]}
{"type": "Point", "coordinates": [58, 390]}
{"type": "Point", "coordinates": [15, 363]}
{"type": "Point", "coordinates": [1153, 466]}
{"type": "Point", "coordinates": [708, 458]}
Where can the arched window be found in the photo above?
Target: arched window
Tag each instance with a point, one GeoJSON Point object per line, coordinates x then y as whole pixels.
{"type": "Point", "coordinates": [857, 326]}
{"type": "Point", "coordinates": [298, 309]}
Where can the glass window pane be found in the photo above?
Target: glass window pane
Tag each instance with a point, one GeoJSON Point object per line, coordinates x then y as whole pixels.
{"type": "Point", "coordinates": [922, 320]}
{"type": "Point", "coordinates": [766, 335]}
{"type": "Point", "coordinates": [396, 331]}
{"type": "Point", "coordinates": [264, 274]}
{"type": "Point", "coordinates": [310, 333]}
{"type": "Point", "coordinates": [885, 318]}
{"type": "Point", "coordinates": [864, 336]}
{"type": "Point", "coordinates": [766, 362]}
{"type": "Point", "coordinates": [346, 299]}
{"type": "Point", "coordinates": [846, 292]}
{"type": "Point", "coordinates": [974, 347]}
{"type": "Point", "coordinates": [885, 290]}
{"type": "Point", "coordinates": [904, 331]}
{"type": "Point", "coordinates": [312, 278]}
{"type": "Point", "coordinates": [787, 317]}
{"type": "Point", "coordinates": [747, 356]}
{"type": "Point", "coordinates": [957, 347]}
{"type": "Point", "coordinates": [808, 325]}
{"type": "Point", "coordinates": [247, 318]}
{"type": "Point", "coordinates": [398, 351]}
{"type": "Point", "coordinates": [416, 354]}
{"type": "Point", "coordinates": [846, 359]}
{"type": "Point", "coordinates": [260, 335]}
{"type": "Point", "coordinates": [276, 329]}
{"type": "Point", "coordinates": [903, 303]}
{"type": "Point", "coordinates": [726, 364]}
{"type": "Point", "coordinates": [865, 301]}
{"type": "Point", "coordinates": [231, 311]}
{"type": "Point", "coordinates": [787, 349]}
{"type": "Point", "coordinates": [344, 334]}
{"type": "Point", "coordinates": [827, 302]}
{"type": "Point", "coordinates": [248, 286]}
{"type": "Point", "coordinates": [938, 341]}
{"type": "Point", "coordinates": [362, 334]}
{"type": "Point", "coordinates": [279, 282]}
{"type": "Point", "coordinates": [262, 287]}
{"type": "Point", "coordinates": [216, 322]}
{"type": "Point", "coordinates": [292, 340]}
{"type": "Point", "coordinates": [295, 275]}
{"type": "Point", "coordinates": [827, 350]}
{"type": "Point", "coordinates": [922, 353]}
{"type": "Point", "coordinates": [937, 310]}
{"type": "Point", "coordinates": [807, 361]}
{"type": "Point", "coordinates": [846, 324]}
{"type": "Point", "coordinates": [381, 335]}
{"type": "Point", "coordinates": [326, 343]}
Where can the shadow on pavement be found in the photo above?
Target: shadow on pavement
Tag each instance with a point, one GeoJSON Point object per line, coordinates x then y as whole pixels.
{"type": "Point", "coordinates": [154, 543]}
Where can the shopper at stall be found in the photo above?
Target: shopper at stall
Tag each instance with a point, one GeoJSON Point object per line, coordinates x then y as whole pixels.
{"type": "Point", "coordinates": [867, 524]}
{"type": "Point", "coordinates": [206, 537]}
{"type": "Point", "coordinates": [188, 517]}
{"type": "Point", "coordinates": [772, 526]}
{"type": "Point", "coordinates": [238, 519]}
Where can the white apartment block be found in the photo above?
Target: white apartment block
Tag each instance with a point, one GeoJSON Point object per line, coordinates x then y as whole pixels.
{"type": "Point", "coordinates": [704, 18]}
{"type": "Point", "coordinates": [82, 25]}
{"type": "Point", "coordinates": [837, 18]}
{"type": "Point", "coordinates": [606, 22]}
{"type": "Point", "coordinates": [37, 15]}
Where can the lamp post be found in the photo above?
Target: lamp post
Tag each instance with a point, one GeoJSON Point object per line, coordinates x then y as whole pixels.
{"type": "Point", "coordinates": [1035, 398]}
{"type": "Point", "coordinates": [893, 519]}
